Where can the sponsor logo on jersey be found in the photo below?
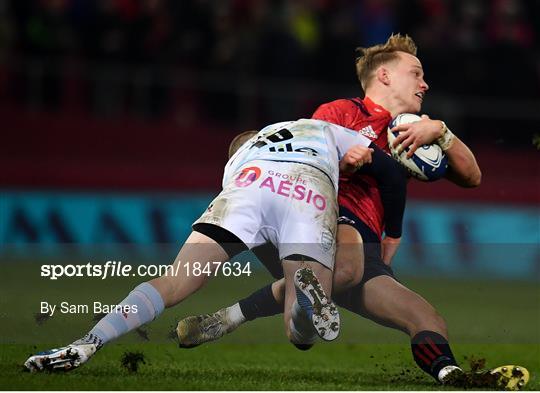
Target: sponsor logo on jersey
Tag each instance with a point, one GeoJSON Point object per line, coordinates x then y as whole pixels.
{"type": "Point", "coordinates": [368, 132]}
{"type": "Point", "coordinates": [295, 191]}
{"type": "Point", "coordinates": [247, 176]}
{"type": "Point", "coordinates": [285, 176]}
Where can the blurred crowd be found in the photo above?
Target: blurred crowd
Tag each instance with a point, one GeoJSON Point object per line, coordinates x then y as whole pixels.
{"type": "Point", "coordinates": [474, 47]}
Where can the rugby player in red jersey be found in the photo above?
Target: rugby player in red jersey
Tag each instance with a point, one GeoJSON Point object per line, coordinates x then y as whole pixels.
{"type": "Point", "coordinates": [393, 79]}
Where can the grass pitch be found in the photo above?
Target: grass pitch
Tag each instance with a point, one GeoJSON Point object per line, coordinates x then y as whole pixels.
{"type": "Point", "coordinates": [222, 366]}
{"type": "Point", "coordinates": [495, 320]}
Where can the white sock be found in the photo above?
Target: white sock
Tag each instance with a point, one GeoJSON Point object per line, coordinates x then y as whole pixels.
{"type": "Point", "coordinates": [234, 315]}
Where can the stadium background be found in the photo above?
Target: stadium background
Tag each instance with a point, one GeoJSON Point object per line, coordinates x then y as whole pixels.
{"type": "Point", "coordinates": [116, 116]}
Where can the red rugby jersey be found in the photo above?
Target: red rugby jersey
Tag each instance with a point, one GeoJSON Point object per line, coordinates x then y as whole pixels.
{"type": "Point", "coordinates": [359, 193]}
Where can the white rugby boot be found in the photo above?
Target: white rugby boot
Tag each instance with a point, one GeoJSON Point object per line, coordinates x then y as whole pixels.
{"type": "Point", "coordinates": [316, 304]}
{"type": "Point", "coordinates": [61, 359]}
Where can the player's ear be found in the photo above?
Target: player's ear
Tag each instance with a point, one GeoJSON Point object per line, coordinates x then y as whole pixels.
{"type": "Point", "coordinates": [383, 75]}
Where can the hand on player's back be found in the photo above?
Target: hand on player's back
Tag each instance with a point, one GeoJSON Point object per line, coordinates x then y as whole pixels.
{"type": "Point", "coordinates": [354, 158]}
{"type": "Point", "coordinates": [414, 135]}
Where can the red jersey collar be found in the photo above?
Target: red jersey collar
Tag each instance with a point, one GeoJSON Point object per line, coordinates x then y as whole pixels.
{"type": "Point", "coordinates": [375, 108]}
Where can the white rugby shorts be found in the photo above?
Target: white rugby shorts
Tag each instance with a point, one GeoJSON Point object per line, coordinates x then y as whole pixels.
{"type": "Point", "coordinates": [292, 205]}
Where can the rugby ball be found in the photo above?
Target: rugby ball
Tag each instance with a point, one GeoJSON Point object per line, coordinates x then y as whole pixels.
{"type": "Point", "coordinates": [428, 163]}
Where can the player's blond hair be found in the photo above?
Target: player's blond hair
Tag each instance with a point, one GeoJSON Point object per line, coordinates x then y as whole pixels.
{"type": "Point", "coordinates": [239, 140]}
{"type": "Point", "coordinates": [369, 59]}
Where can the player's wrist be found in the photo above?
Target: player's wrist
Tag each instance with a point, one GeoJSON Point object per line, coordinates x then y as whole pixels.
{"type": "Point", "coordinates": [390, 239]}
{"type": "Point", "coordinates": [446, 140]}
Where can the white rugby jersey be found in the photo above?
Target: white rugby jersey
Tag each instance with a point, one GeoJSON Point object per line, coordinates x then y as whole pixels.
{"type": "Point", "coordinates": [307, 141]}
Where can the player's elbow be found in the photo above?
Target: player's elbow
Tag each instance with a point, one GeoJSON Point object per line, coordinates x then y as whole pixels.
{"type": "Point", "coordinates": [470, 179]}
{"type": "Point", "coordinates": [474, 179]}
{"type": "Point", "coordinates": [477, 179]}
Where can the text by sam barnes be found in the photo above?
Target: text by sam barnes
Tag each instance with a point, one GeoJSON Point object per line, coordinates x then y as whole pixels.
{"type": "Point", "coordinates": [95, 308]}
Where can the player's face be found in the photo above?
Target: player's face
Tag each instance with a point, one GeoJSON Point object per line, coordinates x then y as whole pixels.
{"type": "Point", "coordinates": [407, 82]}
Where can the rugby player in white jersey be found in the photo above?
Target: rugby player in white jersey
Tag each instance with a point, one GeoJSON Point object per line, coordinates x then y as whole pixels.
{"type": "Point", "coordinates": [282, 189]}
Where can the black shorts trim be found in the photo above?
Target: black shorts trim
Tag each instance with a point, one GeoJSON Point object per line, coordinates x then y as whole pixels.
{"type": "Point", "coordinates": [269, 256]}
{"type": "Point", "coordinates": [299, 258]}
{"type": "Point", "coordinates": [349, 218]}
{"type": "Point", "coordinates": [227, 240]}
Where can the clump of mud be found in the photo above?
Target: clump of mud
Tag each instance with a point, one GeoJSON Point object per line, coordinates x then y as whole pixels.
{"type": "Point", "coordinates": [478, 377]}
{"type": "Point", "coordinates": [41, 318]}
{"type": "Point", "coordinates": [131, 361]}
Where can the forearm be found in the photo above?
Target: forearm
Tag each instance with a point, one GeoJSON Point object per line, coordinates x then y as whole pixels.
{"type": "Point", "coordinates": [463, 169]}
{"type": "Point", "coordinates": [392, 183]}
